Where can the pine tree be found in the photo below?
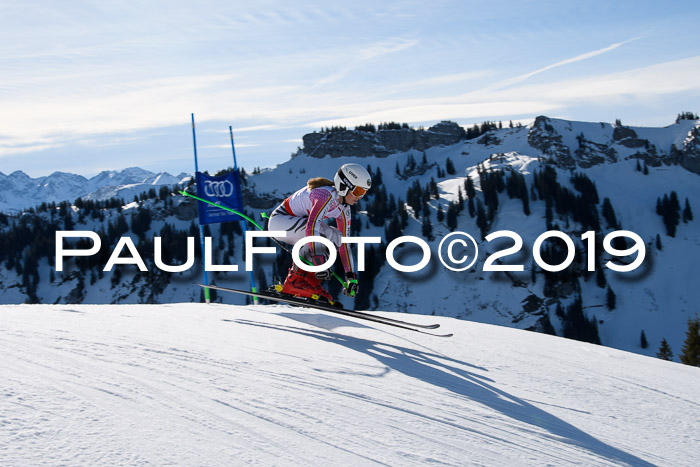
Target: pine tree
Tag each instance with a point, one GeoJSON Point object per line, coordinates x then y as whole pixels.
{"type": "Point", "coordinates": [643, 340]}
{"type": "Point", "coordinates": [658, 242]}
{"type": "Point", "coordinates": [600, 277]}
{"type": "Point", "coordinates": [670, 213]}
{"type": "Point", "coordinates": [472, 209]}
{"type": "Point", "coordinates": [525, 198]}
{"type": "Point", "coordinates": [427, 229]}
{"type": "Point", "coordinates": [68, 223]}
{"type": "Point", "coordinates": [469, 188]}
{"type": "Point", "coordinates": [481, 220]}
{"type": "Point", "coordinates": [578, 326]}
{"type": "Point", "coordinates": [548, 214]}
{"type": "Point", "coordinates": [434, 194]}
{"type": "Point", "coordinates": [440, 213]}
{"type": "Point", "coordinates": [664, 352]}
{"type": "Point", "coordinates": [403, 214]}
{"type": "Point", "coordinates": [687, 212]}
{"type": "Point", "coordinates": [611, 299]}
{"type": "Point", "coordinates": [686, 116]}
{"type": "Point", "coordinates": [393, 230]}
{"type": "Point", "coordinates": [675, 203]}
{"type": "Point", "coordinates": [377, 178]}
{"type": "Point", "coordinates": [164, 193]}
{"type": "Point", "coordinates": [452, 217]}
{"type": "Point", "coordinates": [609, 214]}
{"type": "Point", "coordinates": [690, 352]}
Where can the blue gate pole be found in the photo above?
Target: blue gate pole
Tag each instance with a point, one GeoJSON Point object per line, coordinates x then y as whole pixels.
{"type": "Point", "coordinates": [201, 228]}
{"type": "Point", "coordinates": [253, 288]}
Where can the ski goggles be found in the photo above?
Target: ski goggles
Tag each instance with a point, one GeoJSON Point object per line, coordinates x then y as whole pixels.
{"type": "Point", "coordinates": [358, 191]}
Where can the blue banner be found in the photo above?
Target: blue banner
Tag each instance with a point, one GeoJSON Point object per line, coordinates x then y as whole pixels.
{"type": "Point", "coordinates": [224, 190]}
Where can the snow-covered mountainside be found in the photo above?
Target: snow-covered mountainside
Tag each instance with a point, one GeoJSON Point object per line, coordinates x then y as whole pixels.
{"type": "Point", "coordinates": [633, 168]}
{"type": "Point", "coordinates": [18, 191]}
{"type": "Point", "coordinates": [194, 384]}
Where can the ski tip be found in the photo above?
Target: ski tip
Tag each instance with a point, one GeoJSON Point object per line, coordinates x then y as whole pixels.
{"type": "Point", "coordinates": [439, 335]}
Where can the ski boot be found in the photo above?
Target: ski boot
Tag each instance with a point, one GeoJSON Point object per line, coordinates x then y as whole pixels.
{"type": "Point", "coordinates": [303, 284]}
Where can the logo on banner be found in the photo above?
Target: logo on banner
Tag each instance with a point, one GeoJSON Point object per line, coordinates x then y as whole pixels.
{"type": "Point", "coordinates": [224, 190]}
{"type": "Point", "coordinates": [218, 189]}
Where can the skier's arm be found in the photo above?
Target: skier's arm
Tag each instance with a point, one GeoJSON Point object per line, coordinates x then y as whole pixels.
{"type": "Point", "coordinates": [320, 202]}
{"type": "Point", "coordinates": [343, 224]}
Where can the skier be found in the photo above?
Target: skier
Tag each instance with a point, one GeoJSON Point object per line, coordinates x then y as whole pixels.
{"type": "Point", "coordinates": [302, 214]}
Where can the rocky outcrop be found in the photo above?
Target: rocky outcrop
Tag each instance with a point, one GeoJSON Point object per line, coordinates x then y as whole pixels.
{"type": "Point", "coordinates": [627, 137]}
{"type": "Point", "coordinates": [587, 153]}
{"type": "Point", "coordinates": [544, 137]}
{"type": "Point", "coordinates": [623, 133]}
{"type": "Point", "coordinates": [690, 155]}
{"type": "Point", "coordinates": [590, 153]}
{"type": "Point", "coordinates": [346, 143]}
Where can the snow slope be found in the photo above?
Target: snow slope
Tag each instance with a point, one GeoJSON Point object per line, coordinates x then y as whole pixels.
{"type": "Point", "coordinates": [192, 384]}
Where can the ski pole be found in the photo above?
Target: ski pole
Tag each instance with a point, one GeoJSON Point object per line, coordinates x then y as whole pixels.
{"type": "Point", "coordinates": [284, 247]}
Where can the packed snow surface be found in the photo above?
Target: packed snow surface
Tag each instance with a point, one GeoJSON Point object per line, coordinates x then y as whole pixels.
{"type": "Point", "coordinates": [194, 384]}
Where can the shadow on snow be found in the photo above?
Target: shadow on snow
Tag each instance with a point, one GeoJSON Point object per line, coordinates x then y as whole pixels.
{"type": "Point", "coordinates": [449, 374]}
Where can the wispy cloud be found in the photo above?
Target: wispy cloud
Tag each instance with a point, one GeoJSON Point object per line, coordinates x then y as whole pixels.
{"type": "Point", "coordinates": [640, 83]}
{"type": "Point", "coordinates": [255, 128]}
{"type": "Point", "coordinates": [365, 53]}
{"type": "Point", "coordinates": [568, 61]}
{"type": "Point", "coordinates": [387, 47]}
{"type": "Point", "coordinates": [442, 111]}
{"type": "Point", "coordinates": [10, 150]}
{"type": "Point", "coordinates": [35, 125]}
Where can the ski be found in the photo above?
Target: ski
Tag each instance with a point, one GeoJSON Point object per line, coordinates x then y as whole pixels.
{"type": "Point", "coordinates": [329, 307]}
{"type": "Point", "coordinates": [333, 309]}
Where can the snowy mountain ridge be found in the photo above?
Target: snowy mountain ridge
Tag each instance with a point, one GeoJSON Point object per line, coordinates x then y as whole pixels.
{"type": "Point", "coordinates": [18, 191]}
{"type": "Point", "coordinates": [571, 143]}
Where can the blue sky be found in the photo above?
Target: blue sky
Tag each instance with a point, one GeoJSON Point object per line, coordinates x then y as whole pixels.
{"type": "Point", "coordinates": [87, 86]}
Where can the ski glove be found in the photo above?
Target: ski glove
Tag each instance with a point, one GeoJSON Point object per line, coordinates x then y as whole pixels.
{"type": "Point", "coordinates": [322, 275]}
{"type": "Point", "coordinates": [351, 286]}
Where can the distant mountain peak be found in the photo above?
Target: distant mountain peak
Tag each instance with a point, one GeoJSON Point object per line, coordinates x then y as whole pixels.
{"type": "Point", "coordinates": [20, 191]}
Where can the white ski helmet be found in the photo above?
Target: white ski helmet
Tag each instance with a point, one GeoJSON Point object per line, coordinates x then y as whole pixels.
{"type": "Point", "coordinates": [352, 178]}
